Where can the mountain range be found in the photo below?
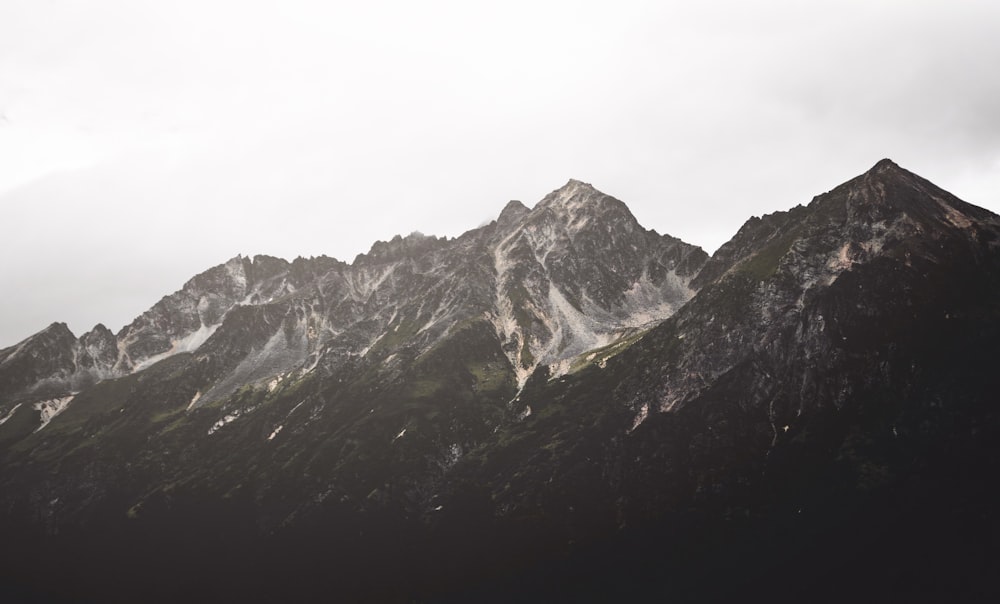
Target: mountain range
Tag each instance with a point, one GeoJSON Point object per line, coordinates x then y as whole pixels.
{"type": "Point", "coordinates": [560, 405]}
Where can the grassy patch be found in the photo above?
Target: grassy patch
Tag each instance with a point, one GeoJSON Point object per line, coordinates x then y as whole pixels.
{"type": "Point", "coordinates": [397, 334]}
{"type": "Point", "coordinates": [292, 388]}
{"type": "Point", "coordinates": [600, 355]}
{"type": "Point", "coordinates": [167, 415]}
{"type": "Point", "coordinates": [764, 263]}
{"type": "Point", "coordinates": [177, 423]}
{"type": "Point", "coordinates": [425, 388]}
{"type": "Point", "coordinates": [489, 376]}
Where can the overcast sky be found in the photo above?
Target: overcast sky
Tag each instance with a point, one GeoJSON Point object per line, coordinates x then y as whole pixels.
{"type": "Point", "coordinates": [142, 142]}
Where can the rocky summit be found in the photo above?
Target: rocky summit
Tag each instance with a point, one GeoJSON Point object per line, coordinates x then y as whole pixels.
{"type": "Point", "coordinates": [558, 406]}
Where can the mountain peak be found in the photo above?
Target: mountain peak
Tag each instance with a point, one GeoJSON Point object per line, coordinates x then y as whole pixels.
{"type": "Point", "coordinates": [884, 165]}
{"type": "Point", "coordinates": [574, 186]}
{"type": "Point", "coordinates": [514, 206]}
{"type": "Point", "coordinates": [885, 189]}
{"type": "Point", "coordinates": [446, 396]}
{"type": "Point", "coordinates": [413, 244]}
{"type": "Point", "coordinates": [511, 212]}
{"type": "Point", "coordinates": [100, 328]}
{"type": "Point", "coordinates": [883, 170]}
{"type": "Point", "coordinates": [889, 191]}
{"type": "Point", "coordinates": [60, 328]}
{"type": "Point", "coordinates": [572, 196]}
{"type": "Point", "coordinates": [887, 170]}
{"type": "Point", "coordinates": [55, 332]}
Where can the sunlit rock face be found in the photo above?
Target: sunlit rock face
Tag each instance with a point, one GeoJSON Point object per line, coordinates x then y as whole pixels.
{"type": "Point", "coordinates": [578, 271]}
{"type": "Point", "coordinates": [559, 397]}
{"type": "Point", "coordinates": [575, 273]}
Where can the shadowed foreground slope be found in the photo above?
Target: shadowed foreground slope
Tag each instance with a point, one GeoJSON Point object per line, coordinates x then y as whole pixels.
{"type": "Point", "coordinates": [538, 410]}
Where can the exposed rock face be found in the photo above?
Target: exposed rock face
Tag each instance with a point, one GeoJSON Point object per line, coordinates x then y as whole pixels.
{"type": "Point", "coordinates": [817, 393]}
{"type": "Point", "coordinates": [886, 226]}
{"type": "Point", "coordinates": [53, 361]}
{"type": "Point", "coordinates": [99, 352]}
{"type": "Point", "coordinates": [573, 274]}
{"type": "Point", "coordinates": [560, 384]}
{"type": "Point", "coordinates": [578, 270]}
{"type": "Point", "coordinates": [47, 355]}
{"type": "Point", "coordinates": [184, 320]}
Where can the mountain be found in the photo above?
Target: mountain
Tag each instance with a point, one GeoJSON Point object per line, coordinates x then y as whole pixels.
{"type": "Point", "coordinates": [574, 273]}
{"type": "Point", "coordinates": [557, 406]}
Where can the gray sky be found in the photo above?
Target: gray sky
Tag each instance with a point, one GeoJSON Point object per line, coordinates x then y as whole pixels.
{"type": "Point", "coordinates": [142, 142]}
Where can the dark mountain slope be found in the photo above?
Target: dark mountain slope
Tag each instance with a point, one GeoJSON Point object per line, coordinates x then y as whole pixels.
{"type": "Point", "coordinates": [265, 396]}
{"type": "Point", "coordinates": [532, 412]}
{"type": "Point", "coordinates": [818, 421]}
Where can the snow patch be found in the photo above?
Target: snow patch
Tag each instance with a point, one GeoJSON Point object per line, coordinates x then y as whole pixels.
{"type": "Point", "coordinates": [559, 368]}
{"type": "Point", "coordinates": [640, 417]}
{"type": "Point", "coordinates": [9, 415]}
{"type": "Point", "coordinates": [296, 407]}
{"type": "Point", "coordinates": [194, 399]}
{"type": "Point", "coordinates": [228, 419]}
{"type": "Point", "coordinates": [275, 381]}
{"type": "Point", "coordinates": [188, 343]}
{"type": "Point", "coordinates": [51, 408]}
{"type": "Point", "coordinates": [400, 435]}
{"type": "Point", "coordinates": [275, 433]}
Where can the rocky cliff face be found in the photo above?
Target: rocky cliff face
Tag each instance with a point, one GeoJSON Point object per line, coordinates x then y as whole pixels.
{"type": "Point", "coordinates": [575, 273]}
{"type": "Point", "coordinates": [558, 398]}
{"type": "Point", "coordinates": [810, 405]}
{"type": "Point", "coordinates": [54, 361]}
{"type": "Point", "coordinates": [886, 228]}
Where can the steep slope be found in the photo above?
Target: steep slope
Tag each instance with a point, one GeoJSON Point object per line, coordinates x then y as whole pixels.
{"type": "Point", "coordinates": [822, 408]}
{"type": "Point", "coordinates": [420, 343]}
{"type": "Point", "coordinates": [574, 273]}
{"type": "Point", "coordinates": [558, 406]}
{"type": "Point", "coordinates": [577, 271]}
{"type": "Point", "coordinates": [360, 384]}
{"type": "Point", "coordinates": [55, 359]}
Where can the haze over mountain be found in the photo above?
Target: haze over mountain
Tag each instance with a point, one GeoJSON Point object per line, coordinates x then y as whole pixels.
{"type": "Point", "coordinates": [559, 405]}
{"type": "Point", "coordinates": [153, 139]}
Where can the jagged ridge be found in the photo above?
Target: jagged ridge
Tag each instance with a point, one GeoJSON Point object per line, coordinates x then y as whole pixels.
{"type": "Point", "coordinates": [823, 402]}
{"type": "Point", "coordinates": [574, 273]}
